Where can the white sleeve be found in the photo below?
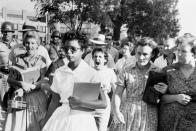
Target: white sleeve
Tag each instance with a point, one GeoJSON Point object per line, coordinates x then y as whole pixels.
{"type": "Point", "coordinates": [54, 86]}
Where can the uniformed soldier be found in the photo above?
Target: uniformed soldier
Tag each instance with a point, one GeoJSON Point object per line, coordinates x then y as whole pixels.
{"type": "Point", "coordinates": [54, 48]}
{"type": "Point", "coordinates": [7, 42]}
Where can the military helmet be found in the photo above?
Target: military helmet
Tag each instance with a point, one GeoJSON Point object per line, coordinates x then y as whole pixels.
{"type": "Point", "coordinates": [7, 26]}
{"type": "Point", "coordinates": [56, 34]}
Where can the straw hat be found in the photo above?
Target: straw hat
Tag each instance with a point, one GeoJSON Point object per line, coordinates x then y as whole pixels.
{"type": "Point", "coordinates": [99, 40]}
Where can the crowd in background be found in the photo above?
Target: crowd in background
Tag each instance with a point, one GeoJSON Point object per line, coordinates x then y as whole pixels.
{"type": "Point", "coordinates": [122, 69]}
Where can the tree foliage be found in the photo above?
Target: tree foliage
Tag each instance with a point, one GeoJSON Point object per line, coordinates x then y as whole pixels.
{"type": "Point", "coordinates": [156, 19]}
{"type": "Point", "coordinates": [153, 18]}
{"type": "Point", "coordinates": [73, 13]}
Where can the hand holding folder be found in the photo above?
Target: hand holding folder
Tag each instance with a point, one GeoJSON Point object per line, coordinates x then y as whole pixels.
{"type": "Point", "coordinates": [86, 92]}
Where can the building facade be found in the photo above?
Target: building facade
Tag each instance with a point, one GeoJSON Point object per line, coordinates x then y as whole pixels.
{"type": "Point", "coordinates": [19, 17]}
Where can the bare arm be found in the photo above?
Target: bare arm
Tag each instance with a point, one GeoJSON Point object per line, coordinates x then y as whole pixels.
{"type": "Point", "coordinates": [26, 86]}
{"type": "Point", "coordinates": [180, 98]}
{"type": "Point", "coordinates": [117, 98]}
{"type": "Point", "coordinates": [169, 98]}
{"type": "Point", "coordinates": [116, 101]}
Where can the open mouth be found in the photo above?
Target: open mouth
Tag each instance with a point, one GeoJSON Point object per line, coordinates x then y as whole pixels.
{"type": "Point", "coordinates": [97, 63]}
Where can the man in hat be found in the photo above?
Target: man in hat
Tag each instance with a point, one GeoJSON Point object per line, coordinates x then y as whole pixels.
{"type": "Point", "coordinates": [168, 53]}
{"type": "Point", "coordinates": [99, 41]}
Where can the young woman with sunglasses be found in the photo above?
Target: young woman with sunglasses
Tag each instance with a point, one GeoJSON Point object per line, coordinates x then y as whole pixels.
{"type": "Point", "coordinates": [71, 115]}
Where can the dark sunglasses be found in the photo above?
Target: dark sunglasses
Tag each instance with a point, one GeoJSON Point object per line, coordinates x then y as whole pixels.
{"type": "Point", "coordinates": [56, 37]}
{"type": "Point", "coordinates": [71, 48]}
{"type": "Point", "coordinates": [108, 39]}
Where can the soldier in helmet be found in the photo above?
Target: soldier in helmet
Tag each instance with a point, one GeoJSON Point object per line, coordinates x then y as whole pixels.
{"type": "Point", "coordinates": [7, 29]}
{"type": "Point", "coordinates": [7, 44]}
{"type": "Point", "coordinates": [54, 48]}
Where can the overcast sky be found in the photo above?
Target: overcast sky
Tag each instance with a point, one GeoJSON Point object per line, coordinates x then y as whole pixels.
{"type": "Point", "coordinates": [17, 4]}
{"type": "Point", "coordinates": [187, 8]}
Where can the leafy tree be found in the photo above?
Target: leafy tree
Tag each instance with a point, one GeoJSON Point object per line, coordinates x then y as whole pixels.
{"type": "Point", "coordinates": [73, 13]}
{"type": "Point", "coordinates": [118, 12]}
{"type": "Point", "coordinates": [153, 18]}
{"type": "Point", "coordinates": [156, 19]}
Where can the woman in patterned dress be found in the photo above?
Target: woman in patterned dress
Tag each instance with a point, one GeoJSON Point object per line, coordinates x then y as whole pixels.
{"type": "Point", "coordinates": [28, 119]}
{"type": "Point", "coordinates": [136, 114]}
{"type": "Point", "coordinates": [178, 108]}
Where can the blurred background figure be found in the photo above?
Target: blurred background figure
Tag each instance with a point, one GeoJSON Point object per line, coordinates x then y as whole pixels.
{"type": "Point", "coordinates": [127, 59]}
{"type": "Point", "coordinates": [7, 43]}
{"type": "Point", "coordinates": [54, 47]}
{"type": "Point", "coordinates": [110, 47]}
{"type": "Point", "coordinates": [167, 53]}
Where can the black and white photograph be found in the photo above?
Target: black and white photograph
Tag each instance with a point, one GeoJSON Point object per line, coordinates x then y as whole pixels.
{"type": "Point", "coordinates": [97, 65]}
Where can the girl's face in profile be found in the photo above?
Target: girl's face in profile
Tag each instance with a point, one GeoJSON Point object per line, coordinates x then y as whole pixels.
{"type": "Point", "coordinates": [99, 59]}
{"type": "Point", "coordinates": [31, 45]}
{"type": "Point", "coordinates": [143, 55]}
{"type": "Point", "coordinates": [126, 50]}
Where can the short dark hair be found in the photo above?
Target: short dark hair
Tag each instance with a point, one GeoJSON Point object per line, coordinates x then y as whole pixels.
{"type": "Point", "coordinates": [147, 41]}
{"type": "Point", "coordinates": [102, 51]}
{"type": "Point", "coordinates": [75, 35]}
{"type": "Point", "coordinates": [126, 42]}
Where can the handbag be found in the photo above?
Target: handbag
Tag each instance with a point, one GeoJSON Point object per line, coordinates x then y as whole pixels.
{"type": "Point", "coordinates": [17, 102]}
{"type": "Point", "coordinates": [151, 96]}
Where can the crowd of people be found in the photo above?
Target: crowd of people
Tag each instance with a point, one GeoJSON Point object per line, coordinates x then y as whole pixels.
{"type": "Point", "coordinates": [123, 72]}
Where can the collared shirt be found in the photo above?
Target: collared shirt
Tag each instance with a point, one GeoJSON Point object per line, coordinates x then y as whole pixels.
{"type": "Point", "coordinates": [19, 49]}
{"type": "Point", "coordinates": [114, 53]}
{"type": "Point", "coordinates": [43, 52]}
{"type": "Point", "coordinates": [134, 81]}
{"type": "Point", "coordinates": [83, 73]}
{"type": "Point", "coordinates": [53, 51]}
{"type": "Point", "coordinates": [11, 43]}
{"type": "Point", "coordinates": [122, 63]}
{"type": "Point", "coordinates": [161, 62]}
{"type": "Point", "coordinates": [5, 51]}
